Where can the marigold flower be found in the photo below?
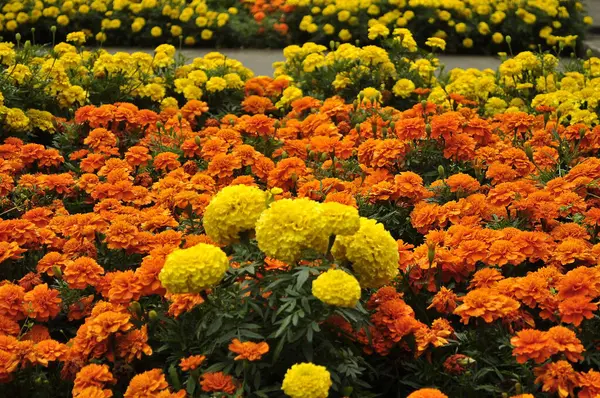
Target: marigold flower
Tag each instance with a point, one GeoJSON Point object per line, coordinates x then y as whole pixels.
{"type": "Point", "coordinates": [218, 382]}
{"type": "Point", "coordinates": [557, 377]}
{"type": "Point", "coordinates": [42, 303]}
{"type": "Point", "coordinates": [427, 393]}
{"type": "Point", "coordinates": [248, 350]}
{"type": "Point", "coordinates": [444, 301]}
{"type": "Point", "coordinates": [487, 304]}
{"type": "Point", "coordinates": [82, 272]}
{"type": "Point", "coordinates": [590, 384]}
{"type": "Point", "coordinates": [146, 384]}
{"type": "Point", "coordinates": [575, 309]}
{"type": "Point", "coordinates": [372, 251]}
{"type": "Point", "coordinates": [306, 380]}
{"type": "Point", "coordinates": [92, 375]}
{"type": "Point", "coordinates": [48, 351]}
{"type": "Point", "coordinates": [338, 288]}
{"type": "Point", "coordinates": [194, 269]}
{"type": "Point", "coordinates": [233, 210]}
{"type": "Point", "coordinates": [532, 344]}
{"type": "Point", "coordinates": [192, 362]}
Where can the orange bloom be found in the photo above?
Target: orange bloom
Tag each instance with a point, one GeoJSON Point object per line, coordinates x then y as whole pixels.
{"type": "Point", "coordinates": [92, 375]}
{"type": "Point", "coordinates": [147, 384]}
{"type": "Point", "coordinates": [82, 272]}
{"type": "Point", "coordinates": [254, 104]}
{"type": "Point", "coordinates": [223, 165]}
{"type": "Point", "coordinates": [124, 287]}
{"type": "Point", "coordinates": [137, 156]}
{"type": "Point", "coordinates": [9, 326]}
{"type": "Point", "coordinates": [49, 351]}
{"type": "Point", "coordinates": [531, 344]}
{"type": "Point", "coordinates": [565, 341]}
{"type": "Point", "coordinates": [11, 301]}
{"type": "Point", "coordinates": [287, 173]}
{"type": "Point", "coordinates": [191, 362]}
{"type": "Point", "coordinates": [427, 393]}
{"type": "Point", "coordinates": [42, 303]}
{"type": "Point", "coordinates": [166, 161]}
{"type": "Point", "coordinates": [184, 302]}
{"type": "Point", "coordinates": [590, 384]}
{"type": "Point", "coordinates": [37, 333]}
{"type": "Point", "coordinates": [581, 281]}
{"type": "Point", "coordinates": [444, 301]}
{"type": "Point", "coordinates": [248, 350]}
{"type": "Point", "coordinates": [557, 377]}
{"type": "Point", "coordinates": [575, 309]}
{"type": "Point", "coordinates": [10, 250]}
{"type": "Point", "coordinates": [485, 277]}
{"type": "Point", "coordinates": [133, 344]}
{"type": "Point", "coordinates": [218, 382]}
{"type": "Point", "coordinates": [487, 304]}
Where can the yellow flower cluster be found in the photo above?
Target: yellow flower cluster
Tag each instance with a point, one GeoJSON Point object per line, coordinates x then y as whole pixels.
{"type": "Point", "coordinates": [290, 226]}
{"type": "Point", "coordinates": [462, 22]}
{"type": "Point", "coordinates": [194, 269]}
{"type": "Point", "coordinates": [338, 288]}
{"type": "Point", "coordinates": [307, 380]}
{"type": "Point", "coordinates": [233, 210]}
{"type": "Point", "coordinates": [372, 251]}
{"type": "Point", "coordinates": [193, 20]}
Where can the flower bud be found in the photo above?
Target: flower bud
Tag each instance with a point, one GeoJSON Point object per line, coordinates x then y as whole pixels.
{"type": "Point", "coordinates": [153, 315]}
{"type": "Point", "coordinates": [508, 39]}
{"type": "Point", "coordinates": [441, 171]}
{"type": "Point", "coordinates": [135, 308]}
{"type": "Point", "coordinates": [197, 140]}
{"type": "Point", "coordinates": [57, 271]}
{"type": "Point", "coordinates": [53, 29]}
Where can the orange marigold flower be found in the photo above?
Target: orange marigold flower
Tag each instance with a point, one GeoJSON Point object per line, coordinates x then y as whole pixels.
{"type": "Point", "coordinates": [10, 250]}
{"type": "Point", "coordinates": [575, 309]}
{"type": "Point", "coordinates": [147, 384]}
{"type": "Point", "coordinates": [92, 375]}
{"type": "Point", "coordinates": [254, 104]}
{"type": "Point", "coordinates": [487, 304]}
{"type": "Point", "coordinates": [184, 302]}
{"type": "Point", "coordinates": [565, 341]}
{"type": "Point", "coordinates": [581, 281]}
{"type": "Point", "coordinates": [81, 308]}
{"type": "Point", "coordinates": [137, 156]}
{"type": "Point", "coordinates": [590, 384]}
{"type": "Point", "coordinates": [557, 377]}
{"type": "Point", "coordinates": [218, 382]}
{"type": "Point", "coordinates": [504, 252]}
{"type": "Point", "coordinates": [287, 173]}
{"type": "Point", "coordinates": [37, 333]}
{"type": "Point", "coordinates": [485, 277]}
{"type": "Point", "coordinates": [124, 287]}
{"type": "Point", "coordinates": [166, 161]}
{"type": "Point", "coordinates": [42, 303]}
{"type": "Point", "coordinates": [444, 301]}
{"type": "Point", "coordinates": [11, 301]}
{"type": "Point", "coordinates": [427, 393]}
{"type": "Point", "coordinates": [191, 362]}
{"type": "Point", "coordinates": [121, 235]}
{"type": "Point", "coordinates": [531, 344]}
{"type": "Point", "coordinates": [224, 165]}
{"type": "Point", "coordinates": [49, 351]}
{"type": "Point", "coordinates": [9, 326]}
{"type": "Point", "coordinates": [248, 350]}
{"type": "Point", "coordinates": [82, 273]}
{"type": "Point", "coordinates": [133, 344]}
{"type": "Point", "coordinates": [462, 183]}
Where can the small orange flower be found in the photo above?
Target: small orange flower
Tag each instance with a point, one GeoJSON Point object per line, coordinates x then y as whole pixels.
{"type": "Point", "coordinates": [147, 384]}
{"type": "Point", "coordinates": [532, 344]}
{"type": "Point", "coordinates": [218, 382]}
{"type": "Point", "coordinates": [444, 301]}
{"type": "Point", "coordinates": [557, 377]}
{"type": "Point", "coordinates": [191, 362]}
{"type": "Point", "coordinates": [485, 303]}
{"type": "Point", "coordinates": [248, 350]}
{"type": "Point", "coordinates": [92, 375]}
{"type": "Point", "coordinates": [427, 393]}
{"type": "Point", "coordinates": [82, 272]}
{"type": "Point", "coordinates": [42, 303]}
{"type": "Point", "coordinates": [575, 309]}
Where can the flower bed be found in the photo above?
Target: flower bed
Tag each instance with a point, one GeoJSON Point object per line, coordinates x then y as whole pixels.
{"type": "Point", "coordinates": [471, 26]}
{"type": "Point", "coordinates": [360, 224]}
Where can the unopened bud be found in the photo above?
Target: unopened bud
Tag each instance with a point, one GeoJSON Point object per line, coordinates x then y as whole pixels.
{"type": "Point", "coordinates": [53, 29]}
{"type": "Point", "coordinates": [431, 253]}
{"type": "Point", "coordinates": [18, 37]}
{"type": "Point", "coordinates": [135, 308]}
{"type": "Point", "coordinates": [529, 152]}
{"type": "Point", "coordinates": [324, 157]}
{"type": "Point", "coordinates": [508, 39]}
{"type": "Point", "coordinates": [428, 128]}
{"type": "Point", "coordinates": [57, 271]}
{"type": "Point", "coordinates": [441, 172]}
{"type": "Point", "coordinates": [153, 315]}
{"type": "Point", "coordinates": [197, 140]}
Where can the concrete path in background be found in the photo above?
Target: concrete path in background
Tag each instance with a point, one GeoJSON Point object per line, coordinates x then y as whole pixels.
{"type": "Point", "coordinates": [261, 61]}
{"type": "Point", "coordinates": [592, 40]}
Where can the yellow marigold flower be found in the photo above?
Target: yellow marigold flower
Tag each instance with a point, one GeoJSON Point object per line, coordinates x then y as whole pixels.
{"type": "Point", "coordinates": [370, 93]}
{"type": "Point", "coordinates": [497, 38]}
{"type": "Point", "coordinates": [62, 20]}
{"type": "Point", "coordinates": [101, 37]}
{"type": "Point", "coordinates": [206, 34]}
{"type": "Point", "coordinates": [15, 119]}
{"type": "Point", "coordinates": [403, 88]}
{"type": "Point", "coordinates": [378, 30]}
{"type": "Point", "coordinates": [233, 210]}
{"type": "Point", "coordinates": [169, 102]}
{"type": "Point", "coordinates": [436, 42]}
{"type": "Point", "coordinates": [156, 31]}
{"type": "Point", "coordinates": [176, 30]}
{"type": "Point", "coordinates": [288, 227]}
{"type": "Point", "coordinates": [41, 119]}
{"type": "Point", "coordinates": [306, 380]}
{"type": "Point", "coordinates": [467, 42]}
{"type": "Point", "coordinates": [588, 20]}
{"type": "Point", "coordinates": [194, 269]}
{"type": "Point", "coordinates": [337, 287]}
{"type": "Point", "coordinates": [216, 84]}
{"type": "Point", "coordinates": [372, 251]}
{"type": "Point", "coordinates": [76, 37]}
{"type": "Point", "coordinates": [340, 219]}
{"type": "Point", "coordinates": [233, 80]}
{"type": "Point", "coordinates": [345, 35]}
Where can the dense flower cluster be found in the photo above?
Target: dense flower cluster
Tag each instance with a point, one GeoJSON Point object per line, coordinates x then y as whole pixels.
{"type": "Point", "coordinates": [466, 24]}
{"type": "Point", "coordinates": [408, 233]}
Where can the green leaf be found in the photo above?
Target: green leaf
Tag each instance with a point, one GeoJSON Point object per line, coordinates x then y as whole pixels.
{"type": "Point", "coordinates": [214, 326]}
{"type": "Point", "coordinates": [284, 325]}
{"type": "Point", "coordinates": [302, 277]}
